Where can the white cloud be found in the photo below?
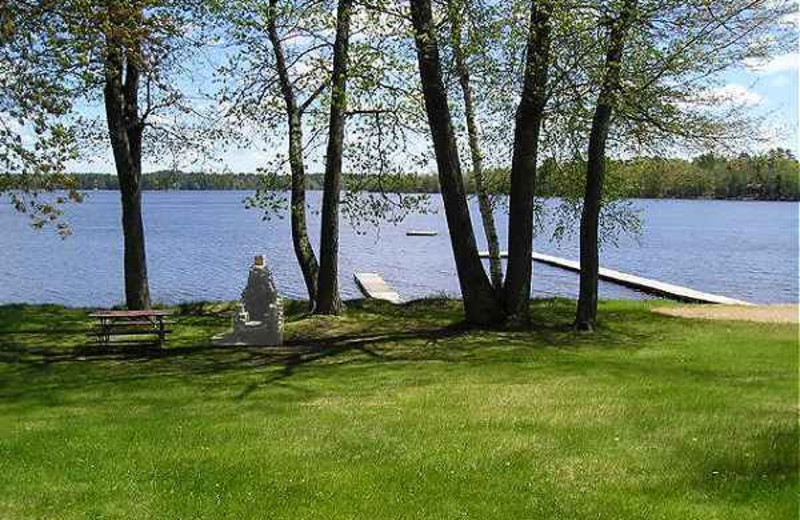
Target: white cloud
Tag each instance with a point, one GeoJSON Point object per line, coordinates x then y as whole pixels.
{"type": "Point", "coordinates": [792, 19]}
{"type": "Point", "coordinates": [781, 63]}
{"type": "Point", "coordinates": [733, 94]}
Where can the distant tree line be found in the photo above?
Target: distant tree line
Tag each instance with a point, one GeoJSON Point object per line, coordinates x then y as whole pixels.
{"type": "Point", "coordinates": [174, 180]}
{"type": "Point", "coordinates": [197, 181]}
{"type": "Point", "coordinates": [773, 175]}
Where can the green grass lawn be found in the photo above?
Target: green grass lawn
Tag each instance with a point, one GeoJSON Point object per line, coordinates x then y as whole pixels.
{"type": "Point", "coordinates": [400, 413]}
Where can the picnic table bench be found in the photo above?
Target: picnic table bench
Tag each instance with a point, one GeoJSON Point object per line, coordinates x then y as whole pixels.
{"type": "Point", "coordinates": [143, 326]}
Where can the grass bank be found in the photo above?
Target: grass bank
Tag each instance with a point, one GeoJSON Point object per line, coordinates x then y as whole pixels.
{"type": "Point", "coordinates": [399, 412]}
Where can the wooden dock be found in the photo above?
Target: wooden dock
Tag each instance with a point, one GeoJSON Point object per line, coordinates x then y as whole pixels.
{"type": "Point", "coordinates": [645, 285]}
{"type": "Point", "coordinates": [376, 288]}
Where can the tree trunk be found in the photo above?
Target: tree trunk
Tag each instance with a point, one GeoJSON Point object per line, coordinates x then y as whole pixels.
{"type": "Point", "coordinates": [303, 250]}
{"type": "Point", "coordinates": [328, 299]}
{"type": "Point", "coordinates": [586, 315]}
{"type": "Point", "coordinates": [125, 132]}
{"type": "Point", "coordinates": [480, 303]}
{"type": "Point", "coordinates": [529, 117]}
{"type": "Point", "coordinates": [482, 191]}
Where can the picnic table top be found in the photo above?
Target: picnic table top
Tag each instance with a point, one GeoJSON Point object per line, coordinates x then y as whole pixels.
{"type": "Point", "coordinates": [131, 314]}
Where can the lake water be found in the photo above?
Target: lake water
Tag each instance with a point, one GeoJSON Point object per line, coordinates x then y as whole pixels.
{"type": "Point", "coordinates": [200, 244]}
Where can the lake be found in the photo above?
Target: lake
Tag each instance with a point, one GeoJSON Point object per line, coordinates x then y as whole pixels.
{"type": "Point", "coordinates": [200, 244]}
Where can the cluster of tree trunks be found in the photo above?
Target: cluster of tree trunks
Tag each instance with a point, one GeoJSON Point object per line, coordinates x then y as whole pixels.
{"type": "Point", "coordinates": [486, 301]}
{"type": "Point", "coordinates": [481, 304]}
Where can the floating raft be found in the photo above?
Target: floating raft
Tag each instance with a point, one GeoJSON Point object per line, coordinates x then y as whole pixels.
{"type": "Point", "coordinates": [421, 233]}
{"type": "Point", "coordinates": [374, 287]}
{"type": "Point", "coordinates": [645, 285]}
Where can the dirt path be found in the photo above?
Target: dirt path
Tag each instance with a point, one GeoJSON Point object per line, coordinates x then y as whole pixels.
{"type": "Point", "coordinates": [787, 313]}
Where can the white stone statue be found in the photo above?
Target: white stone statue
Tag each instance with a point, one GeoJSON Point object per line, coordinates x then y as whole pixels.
{"type": "Point", "coordinates": [259, 319]}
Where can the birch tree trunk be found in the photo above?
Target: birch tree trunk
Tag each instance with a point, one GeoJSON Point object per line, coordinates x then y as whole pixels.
{"type": "Point", "coordinates": [455, 11]}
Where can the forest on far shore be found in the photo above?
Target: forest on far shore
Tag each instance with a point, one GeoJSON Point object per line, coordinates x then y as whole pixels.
{"type": "Point", "coordinates": [772, 175]}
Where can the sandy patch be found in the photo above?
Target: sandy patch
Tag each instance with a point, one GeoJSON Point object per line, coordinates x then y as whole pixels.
{"type": "Point", "coordinates": [784, 313]}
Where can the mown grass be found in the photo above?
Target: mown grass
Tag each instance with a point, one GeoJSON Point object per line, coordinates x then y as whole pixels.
{"type": "Point", "coordinates": [401, 412]}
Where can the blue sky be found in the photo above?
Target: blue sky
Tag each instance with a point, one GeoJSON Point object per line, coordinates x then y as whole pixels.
{"type": "Point", "coordinates": [771, 89]}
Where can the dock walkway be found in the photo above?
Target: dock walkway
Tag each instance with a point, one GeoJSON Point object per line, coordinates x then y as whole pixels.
{"type": "Point", "coordinates": [375, 287]}
{"type": "Point", "coordinates": [639, 283]}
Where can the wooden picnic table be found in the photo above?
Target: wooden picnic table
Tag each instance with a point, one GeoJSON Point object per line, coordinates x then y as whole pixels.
{"type": "Point", "coordinates": [131, 324]}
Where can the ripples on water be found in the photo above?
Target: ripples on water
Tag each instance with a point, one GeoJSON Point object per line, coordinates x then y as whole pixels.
{"type": "Point", "coordinates": [200, 244]}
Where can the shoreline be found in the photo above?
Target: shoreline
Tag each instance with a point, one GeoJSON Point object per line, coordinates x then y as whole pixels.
{"type": "Point", "coordinates": [469, 193]}
{"type": "Point", "coordinates": [671, 307]}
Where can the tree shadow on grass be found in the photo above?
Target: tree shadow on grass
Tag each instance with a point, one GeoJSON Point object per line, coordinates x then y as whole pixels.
{"type": "Point", "coordinates": [370, 333]}
{"type": "Point", "coordinates": [115, 364]}
{"type": "Point", "coordinates": [207, 357]}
